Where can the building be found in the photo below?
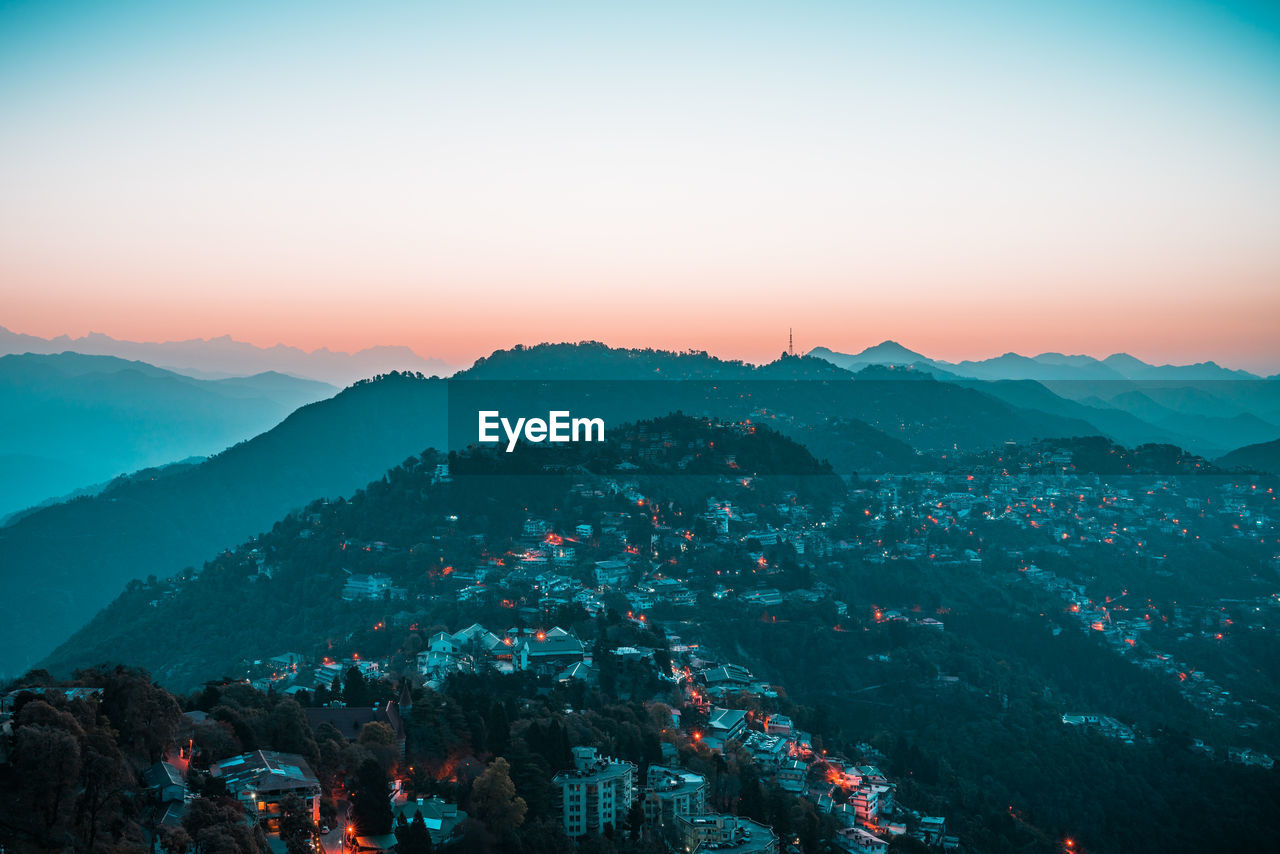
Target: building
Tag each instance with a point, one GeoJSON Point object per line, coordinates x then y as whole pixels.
{"type": "Point", "coordinates": [614, 572]}
{"type": "Point", "coordinates": [727, 724]}
{"type": "Point", "coordinates": [597, 794]}
{"type": "Point", "coordinates": [262, 779]}
{"type": "Point", "coordinates": [728, 675]}
{"type": "Point", "coordinates": [373, 586]}
{"type": "Point", "coordinates": [769, 751]}
{"type": "Point", "coordinates": [858, 841]}
{"type": "Point", "coordinates": [932, 830]}
{"type": "Point", "coordinates": [725, 834]}
{"type": "Point", "coordinates": [443, 819]}
{"type": "Point", "coordinates": [671, 792]}
{"type": "Point", "coordinates": [791, 775]}
{"type": "Point", "coordinates": [548, 652]}
{"type": "Point", "coordinates": [866, 803]}
{"type": "Point", "coordinates": [166, 781]}
{"type": "Point", "coordinates": [777, 725]}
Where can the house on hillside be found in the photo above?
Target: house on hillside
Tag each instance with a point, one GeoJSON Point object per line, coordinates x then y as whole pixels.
{"type": "Point", "coordinates": [165, 782]}
{"type": "Point", "coordinates": [443, 820]}
{"type": "Point", "coordinates": [262, 779]}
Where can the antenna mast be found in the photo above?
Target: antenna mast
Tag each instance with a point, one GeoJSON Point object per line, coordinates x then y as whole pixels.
{"type": "Point", "coordinates": [791, 342]}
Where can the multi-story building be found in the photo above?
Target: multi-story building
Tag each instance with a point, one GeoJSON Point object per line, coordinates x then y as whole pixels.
{"type": "Point", "coordinates": [599, 792]}
{"type": "Point", "coordinates": [671, 792]}
{"type": "Point", "coordinates": [866, 802]}
{"type": "Point", "coordinates": [728, 724]}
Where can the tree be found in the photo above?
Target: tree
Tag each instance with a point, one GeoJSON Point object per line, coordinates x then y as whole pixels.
{"type": "Point", "coordinates": [289, 731]}
{"type": "Point", "coordinates": [217, 825]}
{"type": "Point", "coordinates": [413, 837]}
{"type": "Point", "coordinates": [104, 778]}
{"type": "Point", "coordinates": [499, 728]}
{"type": "Point", "coordinates": [635, 818]}
{"type": "Point", "coordinates": [296, 827]}
{"type": "Point", "coordinates": [176, 841]}
{"type": "Point", "coordinates": [379, 739]}
{"type": "Point", "coordinates": [370, 798]}
{"type": "Point", "coordinates": [48, 762]}
{"type": "Point", "coordinates": [494, 799]}
{"type": "Point", "coordinates": [356, 691]}
{"type": "Point", "coordinates": [376, 732]}
{"type": "Point", "coordinates": [146, 715]}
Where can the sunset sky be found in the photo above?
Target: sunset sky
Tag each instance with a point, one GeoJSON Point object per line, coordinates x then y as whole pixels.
{"type": "Point", "coordinates": [967, 178]}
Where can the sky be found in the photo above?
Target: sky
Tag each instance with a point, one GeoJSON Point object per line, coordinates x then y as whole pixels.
{"type": "Point", "coordinates": [968, 178]}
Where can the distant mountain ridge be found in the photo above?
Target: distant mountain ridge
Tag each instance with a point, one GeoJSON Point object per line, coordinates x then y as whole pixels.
{"type": "Point", "coordinates": [216, 358]}
{"type": "Point", "coordinates": [1204, 407]}
{"type": "Point", "coordinates": [68, 421]}
{"type": "Point", "coordinates": [1045, 366]}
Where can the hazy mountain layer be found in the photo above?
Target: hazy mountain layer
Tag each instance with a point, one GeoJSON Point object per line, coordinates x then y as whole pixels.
{"type": "Point", "coordinates": [213, 358]}
{"type": "Point", "coordinates": [68, 421]}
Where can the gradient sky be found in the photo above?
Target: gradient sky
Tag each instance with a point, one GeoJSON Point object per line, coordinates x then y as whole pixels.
{"type": "Point", "coordinates": [967, 178]}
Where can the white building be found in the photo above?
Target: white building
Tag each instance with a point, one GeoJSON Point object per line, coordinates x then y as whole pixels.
{"type": "Point", "coordinates": [599, 792]}
{"type": "Point", "coordinates": [367, 586]}
{"type": "Point", "coordinates": [672, 792]}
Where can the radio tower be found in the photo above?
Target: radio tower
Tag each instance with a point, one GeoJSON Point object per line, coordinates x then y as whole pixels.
{"type": "Point", "coordinates": [791, 342]}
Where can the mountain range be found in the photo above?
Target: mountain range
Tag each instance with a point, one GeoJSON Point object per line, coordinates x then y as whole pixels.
{"type": "Point", "coordinates": [1046, 366]}
{"type": "Point", "coordinates": [71, 421]}
{"type": "Point", "coordinates": [62, 563]}
{"type": "Point", "coordinates": [1203, 407]}
{"type": "Point", "coordinates": [222, 357]}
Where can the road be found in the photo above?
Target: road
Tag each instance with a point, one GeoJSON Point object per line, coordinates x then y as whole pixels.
{"type": "Point", "coordinates": [332, 841]}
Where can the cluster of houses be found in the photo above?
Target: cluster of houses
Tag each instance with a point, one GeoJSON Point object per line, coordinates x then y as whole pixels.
{"type": "Point", "coordinates": [1105, 724]}
{"type": "Point", "coordinates": [1125, 627]}
{"type": "Point", "coordinates": [856, 794]}
{"type": "Point", "coordinates": [261, 781]}
{"type": "Point", "coordinates": [599, 793]}
{"type": "Point", "coordinates": [550, 652]}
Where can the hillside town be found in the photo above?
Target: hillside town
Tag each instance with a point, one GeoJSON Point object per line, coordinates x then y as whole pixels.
{"type": "Point", "coordinates": [633, 563]}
